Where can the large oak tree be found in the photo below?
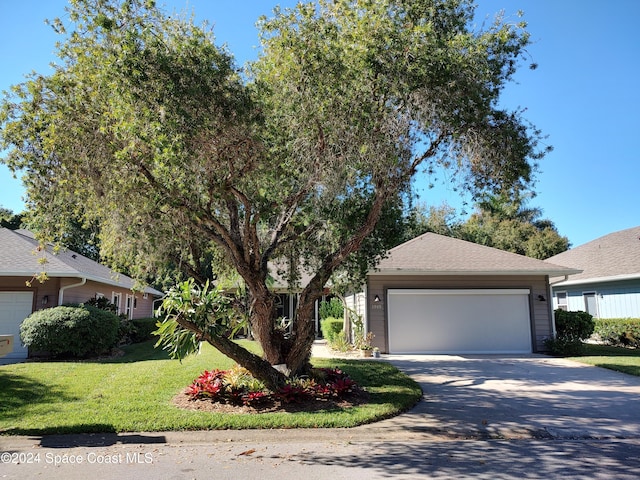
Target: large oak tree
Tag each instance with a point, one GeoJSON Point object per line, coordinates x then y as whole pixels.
{"type": "Point", "coordinates": [150, 131]}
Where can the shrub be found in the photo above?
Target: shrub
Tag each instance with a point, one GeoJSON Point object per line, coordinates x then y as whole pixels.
{"type": "Point", "coordinates": [331, 328]}
{"type": "Point", "coordinates": [103, 304]}
{"type": "Point", "coordinates": [571, 329]}
{"type": "Point", "coordinates": [574, 325]}
{"type": "Point", "coordinates": [237, 386]}
{"type": "Point", "coordinates": [144, 328]}
{"type": "Point", "coordinates": [619, 331]}
{"type": "Point", "coordinates": [76, 331]}
{"type": "Point", "coordinates": [331, 309]}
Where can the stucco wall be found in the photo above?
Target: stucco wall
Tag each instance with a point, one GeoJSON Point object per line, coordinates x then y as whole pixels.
{"type": "Point", "coordinates": [377, 314]}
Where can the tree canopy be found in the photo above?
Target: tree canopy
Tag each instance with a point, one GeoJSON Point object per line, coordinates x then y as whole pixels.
{"type": "Point", "coordinates": [499, 221]}
{"type": "Point", "coordinates": [150, 131]}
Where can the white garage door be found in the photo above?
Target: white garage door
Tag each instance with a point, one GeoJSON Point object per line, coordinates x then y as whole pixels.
{"type": "Point", "coordinates": [14, 308]}
{"type": "Point", "coordinates": [459, 321]}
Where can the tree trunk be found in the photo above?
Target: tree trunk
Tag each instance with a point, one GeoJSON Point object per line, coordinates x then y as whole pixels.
{"type": "Point", "coordinates": [263, 324]}
{"type": "Point", "coordinates": [298, 357]}
{"type": "Point", "coordinates": [259, 368]}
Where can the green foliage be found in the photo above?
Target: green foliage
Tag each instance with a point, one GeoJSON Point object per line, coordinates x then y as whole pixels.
{"type": "Point", "coordinates": [619, 331]}
{"type": "Point", "coordinates": [574, 325]}
{"type": "Point", "coordinates": [189, 309]}
{"type": "Point", "coordinates": [500, 221]}
{"type": "Point", "coordinates": [81, 331]}
{"type": "Point", "coordinates": [307, 154]}
{"type": "Point", "coordinates": [563, 346]}
{"type": "Point", "coordinates": [9, 220]}
{"type": "Point", "coordinates": [571, 329]}
{"type": "Point", "coordinates": [103, 304]}
{"type": "Point", "coordinates": [237, 386]}
{"type": "Point", "coordinates": [144, 328]}
{"type": "Point", "coordinates": [331, 328]}
{"type": "Point", "coordinates": [332, 308]}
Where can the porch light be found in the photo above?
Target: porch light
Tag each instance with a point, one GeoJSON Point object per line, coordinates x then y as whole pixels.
{"type": "Point", "coordinates": [376, 298]}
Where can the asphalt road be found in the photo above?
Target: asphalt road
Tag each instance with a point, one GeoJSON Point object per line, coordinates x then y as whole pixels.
{"type": "Point", "coordinates": [334, 459]}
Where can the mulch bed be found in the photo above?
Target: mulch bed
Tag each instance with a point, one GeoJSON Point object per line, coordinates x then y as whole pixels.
{"type": "Point", "coordinates": [185, 401]}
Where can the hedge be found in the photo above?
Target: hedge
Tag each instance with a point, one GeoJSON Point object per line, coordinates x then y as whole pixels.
{"type": "Point", "coordinates": [70, 331]}
{"type": "Point", "coordinates": [619, 331]}
{"type": "Point", "coordinates": [144, 328]}
{"type": "Point", "coordinates": [331, 328]}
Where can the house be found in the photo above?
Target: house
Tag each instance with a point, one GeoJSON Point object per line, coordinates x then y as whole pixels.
{"type": "Point", "coordinates": [436, 294]}
{"type": "Point", "coordinates": [609, 285]}
{"type": "Point", "coordinates": [286, 298]}
{"type": "Point", "coordinates": [72, 278]}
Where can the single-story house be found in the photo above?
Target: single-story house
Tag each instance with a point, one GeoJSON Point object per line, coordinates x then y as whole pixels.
{"type": "Point", "coordinates": [436, 294]}
{"type": "Point", "coordinates": [609, 285]}
{"type": "Point", "coordinates": [72, 278]}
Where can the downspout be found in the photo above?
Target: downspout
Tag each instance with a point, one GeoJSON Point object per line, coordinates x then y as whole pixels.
{"type": "Point", "coordinates": [73, 285]}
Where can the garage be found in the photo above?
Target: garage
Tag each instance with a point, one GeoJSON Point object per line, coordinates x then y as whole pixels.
{"type": "Point", "coordinates": [462, 321]}
{"type": "Point", "coordinates": [14, 308]}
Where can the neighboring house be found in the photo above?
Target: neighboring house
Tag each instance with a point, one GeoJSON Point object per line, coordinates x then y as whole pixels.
{"type": "Point", "coordinates": [72, 278]}
{"type": "Point", "coordinates": [287, 297]}
{"type": "Point", "coordinates": [609, 285]}
{"type": "Point", "coordinates": [436, 294]}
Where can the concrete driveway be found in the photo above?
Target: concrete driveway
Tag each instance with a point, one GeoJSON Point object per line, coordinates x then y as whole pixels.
{"type": "Point", "coordinates": [519, 397]}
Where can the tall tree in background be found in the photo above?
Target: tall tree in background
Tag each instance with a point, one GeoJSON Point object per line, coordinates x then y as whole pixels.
{"type": "Point", "coordinates": [509, 224]}
{"type": "Point", "coordinates": [149, 130]}
{"type": "Point", "coordinates": [10, 220]}
{"type": "Point", "coordinates": [500, 221]}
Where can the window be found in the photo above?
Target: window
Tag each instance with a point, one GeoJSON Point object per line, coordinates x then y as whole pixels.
{"type": "Point", "coordinates": [561, 301]}
{"type": "Point", "coordinates": [116, 300]}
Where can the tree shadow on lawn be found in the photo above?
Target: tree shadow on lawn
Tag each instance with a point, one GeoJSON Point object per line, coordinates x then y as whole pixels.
{"type": "Point", "coordinates": [18, 390]}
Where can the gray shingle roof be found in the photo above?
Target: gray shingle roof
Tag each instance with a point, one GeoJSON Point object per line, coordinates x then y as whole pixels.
{"type": "Point", "coordinates": [616, 255]}
{"type": "Point", "coordinates": [19, 257]}
{"type": "Point", "coordinates": [435, 254]}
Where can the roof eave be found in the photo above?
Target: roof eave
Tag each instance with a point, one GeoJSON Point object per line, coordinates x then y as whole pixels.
{"type": "Point", "coordinates": [92, 278]}
{"type": "Point", "coordinates": [583, 281]}
{"type": "Point", "coordinates": [400, 271]}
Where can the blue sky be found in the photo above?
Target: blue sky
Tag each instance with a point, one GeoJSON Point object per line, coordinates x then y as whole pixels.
{"type": "Point", "coordinates": [584, 95]}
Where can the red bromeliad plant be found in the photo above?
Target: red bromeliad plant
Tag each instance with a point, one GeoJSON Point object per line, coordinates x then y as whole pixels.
{"type": "Point", "coordinates": [237, 386]}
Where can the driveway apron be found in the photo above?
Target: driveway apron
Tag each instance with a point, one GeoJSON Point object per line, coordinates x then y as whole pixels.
{"type": "Point", "coordinates": [519, 397]}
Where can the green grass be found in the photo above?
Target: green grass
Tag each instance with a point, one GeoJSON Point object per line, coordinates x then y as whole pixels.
{"type": "Point", "coordinates": [626, 360]}
{"type": "Point", "coordinates": [134, 392]}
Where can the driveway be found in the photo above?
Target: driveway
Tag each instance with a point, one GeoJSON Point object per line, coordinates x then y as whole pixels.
{"type": "Point", "coordinates": [519, 397]}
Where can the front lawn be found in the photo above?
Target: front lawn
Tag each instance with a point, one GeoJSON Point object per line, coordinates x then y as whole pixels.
{"type": "Point", "coordinates": [626, 360]}
{"type": "Point", "coordinates": [133, 393]}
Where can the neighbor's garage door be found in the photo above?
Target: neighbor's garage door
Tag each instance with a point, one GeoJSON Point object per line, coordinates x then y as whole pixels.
{"type": "Point", "coordinates": [459, 321]}
{"type": "Point", "coordinates": [14, 308]}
